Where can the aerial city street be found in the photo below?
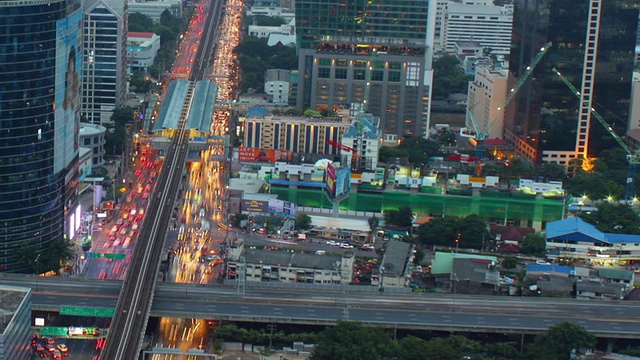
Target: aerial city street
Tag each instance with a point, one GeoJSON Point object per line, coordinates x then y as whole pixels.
{"type": "Point", "coordinates": [203, 179]}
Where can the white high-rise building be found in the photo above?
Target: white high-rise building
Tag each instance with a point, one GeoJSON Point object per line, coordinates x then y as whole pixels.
{"type": "Point", "coordinates": [486, 99]}
{"type": "Point", "coordinates": [488, 25]}
{"type": "Point", "coordinates": [105, 59]}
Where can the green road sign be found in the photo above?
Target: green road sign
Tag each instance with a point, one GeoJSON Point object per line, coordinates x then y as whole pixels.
{"type": "Point", "coordinates": [86, 311]}
{"type": "Point", "coordinates": [115, 256]}
{"type": "Point", "coordinates": [54, 331]}
{"type": "Point", "coordinates": [92, 255]}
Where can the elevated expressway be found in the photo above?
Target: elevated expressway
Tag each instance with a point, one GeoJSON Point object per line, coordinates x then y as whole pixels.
{"type": "Point", "coordinates": [606, 319]}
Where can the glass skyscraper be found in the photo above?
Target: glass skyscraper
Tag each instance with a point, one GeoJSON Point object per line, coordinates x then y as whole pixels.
{"type": "Point", "coordinates": [593, 47]}
{"type": "Point", "coordinates": [40, 74]}
{"type": "Point", "coordinates": [345, 44]}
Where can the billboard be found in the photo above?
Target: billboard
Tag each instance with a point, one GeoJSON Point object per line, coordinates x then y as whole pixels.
{"type": "Point", "coordinates": [330, 181]}
{"type": "Point", "coordinates": [337, 181]}
{"type": "Point", "coordinates": [257, 206]}
{"type": "Point", "coordinates": [256, 155]}
{"type": "Point", "coordinates": [282, 207]}
{"type": "Point", "coordinates": [343, 181]}
{"type": "Point", "coordinates": [68, 77]}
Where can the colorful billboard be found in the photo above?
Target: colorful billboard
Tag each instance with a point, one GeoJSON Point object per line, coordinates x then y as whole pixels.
{"type": "Point", "coordinates": [338, 181]}
{"type": "Point", "coordinates": [255, 206]}
{"type": "Point", "coordinates": [343, 181]}
{"type": "Point", "coordinates": [330, 181]}
{"type": "Point", "coordinates": [282, 207]}
{"type": "Point", "coordinates": [254, 155]}
{"type": "Point", "coordinates": [67, 89]}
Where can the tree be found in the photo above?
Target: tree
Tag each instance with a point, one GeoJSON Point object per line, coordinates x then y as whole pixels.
{"type": "Point", "coordinates": [418, 149]}
{"type": "Point", "coordinates": [303, 222]}
{"type": "Point", "coordinates": [139, 22]}
{"type": "Point", "coordinates": [473, 232]}
{"type": "Point", "coordinates": [509, 262]}
{"type": "Point", "coordinates": [614, 218]}
{"type": "Point", "coordinates": [534, 244]}
{"type": "Point", "coordinates": [238, 218]}
{"type": "Point", "coordinates": [448, 77]}
{"type": "Point", "coordinates": [439, 231]}
{"type": "Point", "coordinates": [448, 138]}
{"type": "Point", "coordinates": [57, 253]}
{"type": "Point", "coordinates": [419, 255]}
{"type": "Point", "coordinates": [353, 341]}
{"type": "Point", "coordinates": [403, 217]}
{"type": "Point", "coordinates": [552, 171]}
{"type": "Point", "coordinates": [559, 340]}
{"type": "Point", "coordinates": [373, 222]}
{"type": "Point", "coordinates": [387, 152]}
{"type": "Point", "coordinates": [444, 231]}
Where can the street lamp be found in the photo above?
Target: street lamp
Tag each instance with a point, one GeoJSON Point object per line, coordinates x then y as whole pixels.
{"type": "Point", "coordinates": [37, 269]}
{"type": "Point", "coordinates": [458, 242]}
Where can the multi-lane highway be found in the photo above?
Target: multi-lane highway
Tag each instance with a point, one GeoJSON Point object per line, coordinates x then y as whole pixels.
{"type": "Point", "coordinates": [408, 311]}
{"type": "Point", "coordinates": [135, 300]}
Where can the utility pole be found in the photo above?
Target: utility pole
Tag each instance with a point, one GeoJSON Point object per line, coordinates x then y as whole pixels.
{"type": "Point", "coordinates": [271, 327]}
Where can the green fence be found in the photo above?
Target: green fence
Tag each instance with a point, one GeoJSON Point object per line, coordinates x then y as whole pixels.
{"type": "Point", "coordinates": [489, 207]}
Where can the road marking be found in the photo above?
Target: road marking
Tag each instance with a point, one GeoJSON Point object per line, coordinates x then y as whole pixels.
{"type": "Point", "coordinates": [445, 316]}
{"type": "Point", "coordinates": [413, 315]}
{"type": "Point", "coordinates": [547, 320]}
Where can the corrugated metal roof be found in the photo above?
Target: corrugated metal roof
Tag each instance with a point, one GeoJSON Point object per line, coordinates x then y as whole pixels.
{"type": "Point", "coordinates": [550, 268]}
{"type": "Point", "coordinates": [202, 106]}
{"type": "Point", "coordinates": [172, 105]}
{"type": "Point", "coordinates": [573, 225]}
{"type": "Point", "coordinates": [622, 238]}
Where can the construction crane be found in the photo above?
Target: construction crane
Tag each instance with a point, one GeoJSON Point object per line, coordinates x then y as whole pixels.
{"type": "Point", "coordinates": [342, 147]}
{"type": "Point", "coordinates": [480, 134]}
{"type": "Point", "coordinates": [632, 157]}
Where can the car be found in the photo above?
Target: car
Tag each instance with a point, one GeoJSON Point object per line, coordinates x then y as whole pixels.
{"type": "Point", "coordinates": [332, 242]}
{"type": "Point", "coordinates": [62, 347]}
{"type": "Point", "coordinates": [367, 247]}
{"type": "Point", "coordinates": [40, 347]}
{"type": "Point", "coordinates": [42, 354]}
{"type": "Point", "coordinates": [51, 347]}
{"type": "Point", "coordinates": [346, 245]}
{"type": "Point", "coordinates": [57, 354]}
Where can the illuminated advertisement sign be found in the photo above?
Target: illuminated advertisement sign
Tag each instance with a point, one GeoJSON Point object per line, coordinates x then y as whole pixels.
{"type": "Point", "coordinates": [256, 206]}
{"type": "Point", "coordinates": [67, 94]}
{"type": "Point", "coordinates": [343, 181]}
{"type": "Point", "coordinates": [255, 155]}
{"type": "Point", "coordinates": [282, 207]}
{"type": "Point", "coordinates": [330, 181]}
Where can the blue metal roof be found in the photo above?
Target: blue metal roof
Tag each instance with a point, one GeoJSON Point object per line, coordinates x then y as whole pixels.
{"type": "Point", "coordinates": [202, 106]}
{"type": "Point", "coordinates": [571, 226]}
{"type": "Point", "coordinates": [575, 228]}
{"type": "Point", "coordinates": [622, 238]}
{"type": "Point", "coordinates": [550, 268]}
{"type": "Point", "coordinates": [172, 105]}
{"type": "Point", "coordinates": [369, 130]}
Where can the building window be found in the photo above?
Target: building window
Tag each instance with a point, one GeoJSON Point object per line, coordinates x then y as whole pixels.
{"type": "Point", "coordinates": [324, 73]}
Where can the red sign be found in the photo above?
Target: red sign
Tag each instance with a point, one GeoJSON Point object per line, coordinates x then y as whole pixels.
{"type": "Point", "coordinates": [263, 155]}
